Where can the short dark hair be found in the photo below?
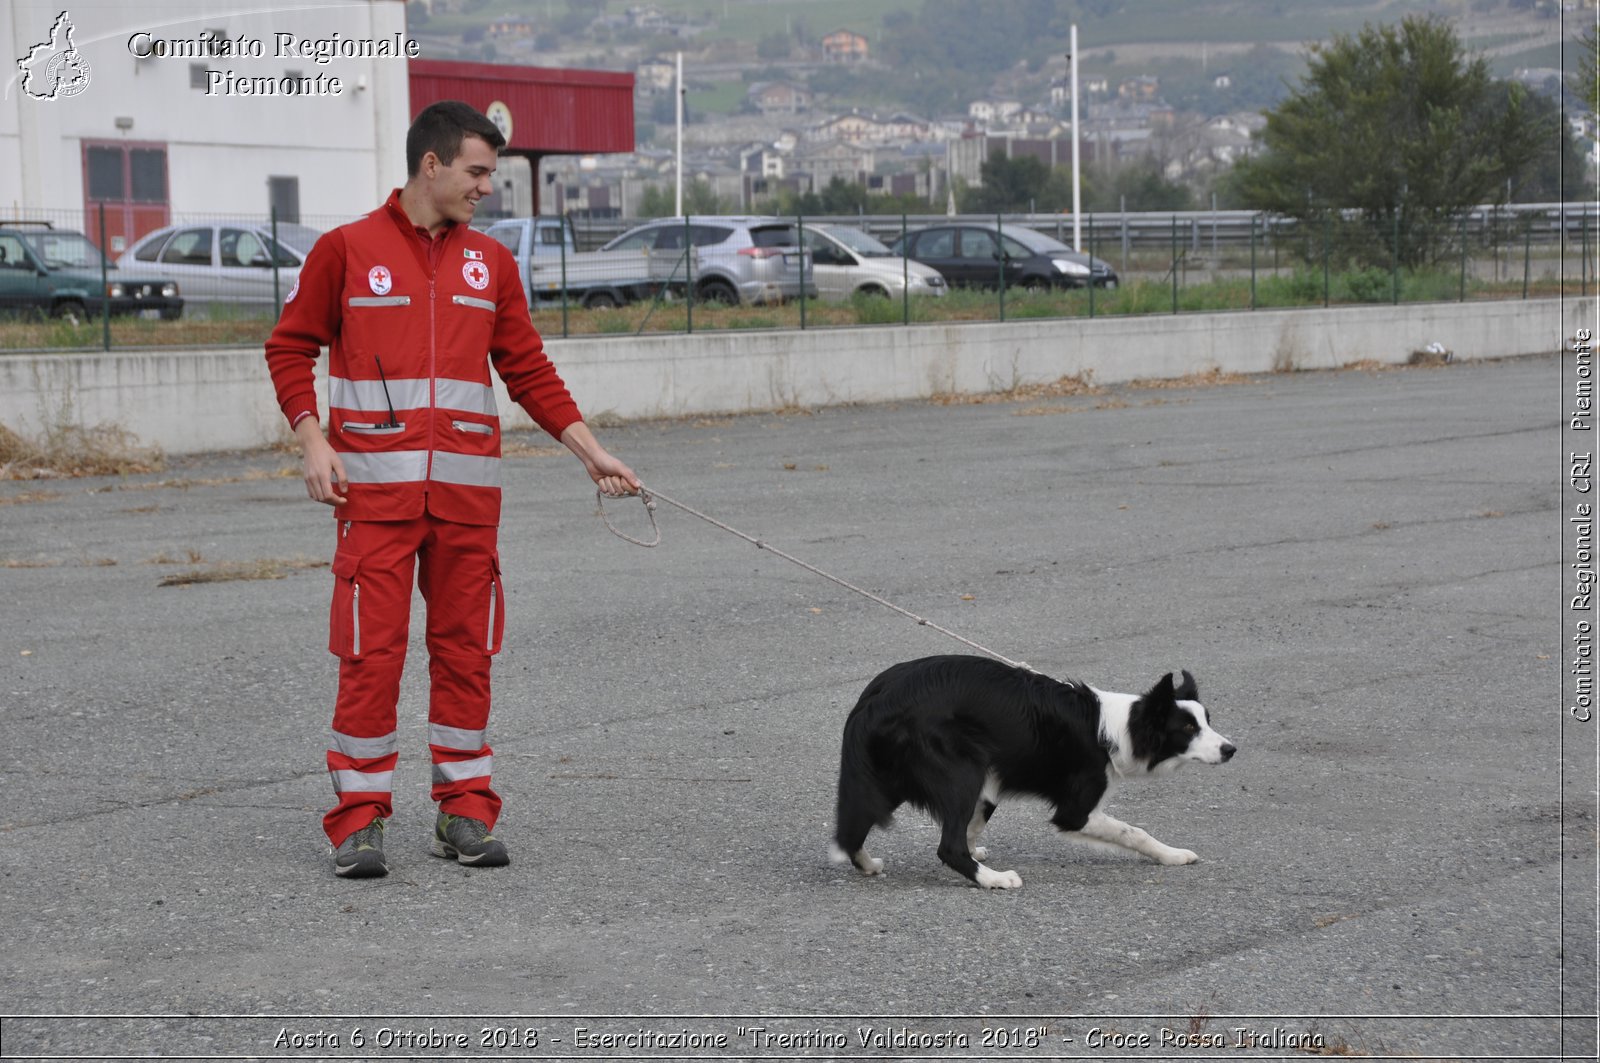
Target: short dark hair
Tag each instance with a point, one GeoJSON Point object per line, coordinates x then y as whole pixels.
{"type": "Point", "coordinates": [441, 127]}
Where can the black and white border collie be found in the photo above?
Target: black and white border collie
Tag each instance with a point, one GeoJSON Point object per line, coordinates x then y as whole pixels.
{"type": "Point", "coordinates": [953, 734]}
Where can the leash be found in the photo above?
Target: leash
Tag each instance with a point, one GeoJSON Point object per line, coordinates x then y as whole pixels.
{"type": "Point", "coordinates": [649, 498]}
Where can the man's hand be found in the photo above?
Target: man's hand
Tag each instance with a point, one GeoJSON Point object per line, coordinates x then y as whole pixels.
{"type": "Point", "coordinates": [325, 478]}
{"type": "Point", "coordinates": [612, 476]}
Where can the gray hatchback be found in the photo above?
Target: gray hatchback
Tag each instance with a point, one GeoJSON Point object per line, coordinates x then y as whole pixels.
{"type": "Point", "coordinates": [742, 259]}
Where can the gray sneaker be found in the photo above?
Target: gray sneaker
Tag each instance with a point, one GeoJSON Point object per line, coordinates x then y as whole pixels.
{"type": "Point", "coordinates": [361, 854]}
{"type": "Point", "coordinates": [468, 841]}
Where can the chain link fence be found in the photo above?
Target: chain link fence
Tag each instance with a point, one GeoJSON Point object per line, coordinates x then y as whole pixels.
{"type": "Point", "coordinates": [233, 271]}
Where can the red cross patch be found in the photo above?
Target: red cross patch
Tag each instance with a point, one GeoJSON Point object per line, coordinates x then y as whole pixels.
{"type": "Point", "coordinates": [477, 274]}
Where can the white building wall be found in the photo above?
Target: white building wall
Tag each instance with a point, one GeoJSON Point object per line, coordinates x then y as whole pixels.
{"type": "Point", "coordinates": [347, 149]}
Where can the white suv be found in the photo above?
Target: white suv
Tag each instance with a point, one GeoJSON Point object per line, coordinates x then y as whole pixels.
{"type": "Point", "coordinates": [736, 259]}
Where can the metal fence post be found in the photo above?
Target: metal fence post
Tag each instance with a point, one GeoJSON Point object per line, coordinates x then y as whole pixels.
{"type": "Point", "coordinates": [1000, 243]}
{"type": "Point", "coordinates": [1174, 263]}
{"type": "Point", "coordinates": [1527, 252]}
{"type": "Point", "coordinates": [1091, 267]}
{"type": "Point", "coordinates": [800, 225]}
{"type": "Point", "coordinates": [1252, 261]}
{"type": "Point", "coordinates": [688, 277]}
{"type": "Point", "coordinates": [1463, 294]}
{"type": "Point", "coordinates": [905, 273]}
{"type": "Point", "coordinates": [1394, 268]}
{"type": "Point", "coordinates": [1327, 279]}
{"type": "Point", "coordinates": [105, 284]}
{"type": "Point", "coordinates": [533, 250]}
{"type": "Point", "coordinates": [277, 296]}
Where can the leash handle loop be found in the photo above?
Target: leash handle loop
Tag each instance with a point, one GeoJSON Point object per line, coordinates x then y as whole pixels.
{"type": "Point", "coordinates": [649, 509]}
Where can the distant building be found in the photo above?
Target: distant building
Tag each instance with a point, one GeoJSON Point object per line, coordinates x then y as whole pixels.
{"type": "Point", "coordinates": [842, 46]}
{"type": "Point", "coordinates": [655, 77]}
{"type": "Point", "coordinates": [1142, 89]}
{"type": "Point", "coordinates": [511, 27]}
{"type": "Point", "coordinates": [986, 111]}
{"type": "Point", "coordinates": [778, 97]}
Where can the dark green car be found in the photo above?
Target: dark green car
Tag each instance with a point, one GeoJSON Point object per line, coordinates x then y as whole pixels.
{"type": "Point", "coordinates": [45, 270]}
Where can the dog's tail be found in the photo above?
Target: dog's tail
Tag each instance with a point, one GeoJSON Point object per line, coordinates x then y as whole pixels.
{"type": "Point", "coordinates": [862, 801]}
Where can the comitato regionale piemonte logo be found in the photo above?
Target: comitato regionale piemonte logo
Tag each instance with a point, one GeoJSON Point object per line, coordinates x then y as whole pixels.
{"type": "Point", "coordinates": [54, 69]}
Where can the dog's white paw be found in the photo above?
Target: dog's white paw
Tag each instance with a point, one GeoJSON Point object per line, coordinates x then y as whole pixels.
{"type": "Point", "coordinates": [990, 879]}
{"type": "Point", "coordinates": [980, 854]}
{"type": "Point", "coordinates": [1174, 857]}
{"type": "Point", "coordinates": [869, 865]}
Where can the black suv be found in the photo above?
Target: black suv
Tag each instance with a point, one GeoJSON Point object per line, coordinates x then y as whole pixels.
{"type": "Point", "coordinates": [45, 270]}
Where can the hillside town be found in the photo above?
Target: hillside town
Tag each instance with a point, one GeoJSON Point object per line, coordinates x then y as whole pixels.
{"type": "Point", "coordinates": [790, 130]}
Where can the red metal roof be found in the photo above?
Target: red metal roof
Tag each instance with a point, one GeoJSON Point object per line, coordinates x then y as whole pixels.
{"type": "Point", "coordinates": [553, 111]}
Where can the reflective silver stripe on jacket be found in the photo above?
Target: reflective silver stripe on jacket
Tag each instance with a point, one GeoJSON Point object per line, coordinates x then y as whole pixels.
{"type": "Point", "coordinates": [456, 770]}
{"type": "Point", "coordinates": [454, 738]}
{"type": "Point", "coordinates": [468, 396]}
{"type": "Point", "coordinates": [380, 300]}
{"type": "Point", "coordinates": [467, 470]}
{"type": "Point", "coordinates": [362, 782]}
{"type": "Point", "coordinates": [366, 748]}
{"type": "Point", "coordinates": [407, 393]}
{"type": "Point", "coordinates": [468, 300]}
{"type": "Point", "coordinates": [391, 467]}
{"type": "Point", "coordinates": [411, 393]}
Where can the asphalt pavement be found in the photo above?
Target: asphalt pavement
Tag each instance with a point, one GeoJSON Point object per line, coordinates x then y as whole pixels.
{"type": "Point", "coordinates": [1362, 569]}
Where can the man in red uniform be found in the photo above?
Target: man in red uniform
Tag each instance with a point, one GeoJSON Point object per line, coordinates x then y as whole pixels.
{"type": "Point", "coordinates": [413, 305]}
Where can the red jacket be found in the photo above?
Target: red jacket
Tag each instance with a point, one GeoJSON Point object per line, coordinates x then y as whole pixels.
{"type": "Point", "coordinates": [411, 326]}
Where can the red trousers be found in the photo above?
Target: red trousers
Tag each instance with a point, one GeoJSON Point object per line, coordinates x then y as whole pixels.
{"type": "Point", "coordinates": [457, 568]}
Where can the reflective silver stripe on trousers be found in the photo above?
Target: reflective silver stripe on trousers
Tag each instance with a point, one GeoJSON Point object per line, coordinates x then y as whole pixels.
{"type": "Point", "coordinates": [411, 393]}
{"type": "Point", "coordinates": [454, 738]}
{"type": "Point", "coordinates": [380, 300]}
{"type": "Point", "coordinates": [392, 467]}
{"type": "Point", "coordinates": [362, 782]}
{"type": "Point", "coordinates": [455, 771]}
{"type": "Point", "coordinates": [467, 300]}
{"type": "Point", "coordinates": [468, 470]}
{"type": "Point", "coordinates": [366, 748]}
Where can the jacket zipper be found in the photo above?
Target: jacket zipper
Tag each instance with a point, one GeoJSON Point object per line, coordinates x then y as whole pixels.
{"type": "Point", "coordinates": [433, 369]}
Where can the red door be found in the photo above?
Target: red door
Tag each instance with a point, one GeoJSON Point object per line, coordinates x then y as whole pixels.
{"type": "Point", "coordinates": [128, 180]}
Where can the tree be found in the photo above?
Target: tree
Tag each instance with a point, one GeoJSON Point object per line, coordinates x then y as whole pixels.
{"type": "Point", "coordinates": [1140, 185]}
{"type": "Point", "coordinates": [1024, 183]}
{"type": "Point", "coordinates": [1399, 125]}
{"type": "Point", "coordinates": [1585, 84]}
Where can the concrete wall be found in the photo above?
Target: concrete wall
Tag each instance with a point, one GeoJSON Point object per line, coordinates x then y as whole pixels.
{"type": "Point", "coordinates": [189, 401]}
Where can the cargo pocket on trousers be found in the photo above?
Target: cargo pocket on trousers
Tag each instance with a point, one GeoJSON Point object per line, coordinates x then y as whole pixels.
{"type": "Point", "coordinates": [496, 628]}
{"type": "Point", "coordinates": [344, 625]}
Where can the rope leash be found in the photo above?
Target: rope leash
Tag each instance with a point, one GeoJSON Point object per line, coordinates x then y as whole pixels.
{"type": "Point", "coordinates": [649, 497]}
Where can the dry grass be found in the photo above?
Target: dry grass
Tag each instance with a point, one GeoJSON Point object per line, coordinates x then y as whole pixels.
{"type": "Point", "coordinates": [184, 483]}
{"type": "Point", "coordinates": [69, 450]}
{"type": "Point", "coordinates": [515, 448]}
{"type": "Point", "coordinates": [1065, 387]}
{"type": "Point", "coordinates": [1208, 378]}
{"type": "Point", "coordinates": [233, 571]}
{"type": "Point", "coordinates": [28, 498]}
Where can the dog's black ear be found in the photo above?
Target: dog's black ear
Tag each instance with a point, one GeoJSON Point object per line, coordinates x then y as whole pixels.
{"type": "Point", "coordinates": [1187, 690]}
{"type": "Point", "coordinates": [1162, 691]}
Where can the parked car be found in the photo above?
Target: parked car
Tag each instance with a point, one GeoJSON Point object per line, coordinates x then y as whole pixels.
{"type": "Point", "coordinates": [974, 255]}
{"type": "Point", "coordinates": [845, 261]}
{"type": "Point", "coordinates": [736, 259]}
{"type": "Point", "coordinates": [225, 263]}
{"type": "Point", "coordinates": [45, 270]}
{"type": "Point", "coordinates": [554, 269]}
